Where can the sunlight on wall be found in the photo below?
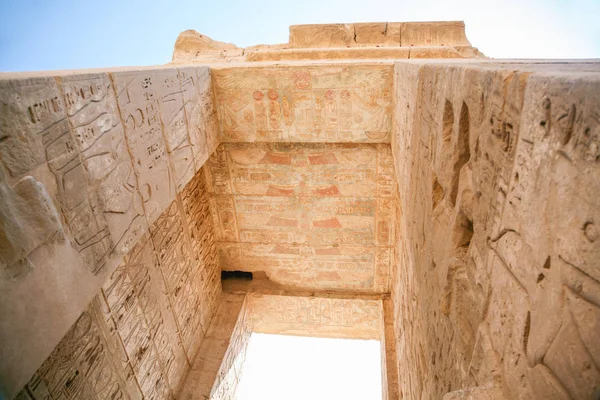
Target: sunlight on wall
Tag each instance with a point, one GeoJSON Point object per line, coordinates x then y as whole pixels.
{"type": "Point", "coordinates": [291, 367]}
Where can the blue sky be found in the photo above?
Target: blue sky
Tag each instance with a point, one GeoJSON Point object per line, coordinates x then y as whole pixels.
{"type": "Point", "coordinates": [63, 34]}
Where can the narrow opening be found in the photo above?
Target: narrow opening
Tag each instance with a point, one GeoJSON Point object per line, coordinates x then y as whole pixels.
{"type": "Point", "coordinates": [295, 367]}
{"type": "Point", "coordinates": [237, 275]}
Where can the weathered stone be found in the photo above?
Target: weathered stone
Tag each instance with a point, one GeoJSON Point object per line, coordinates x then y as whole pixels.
{"type": "Point", "coordinates": [379, 40]}
{"type": "Point", "coordinates": [333, 104]}
{"type": "Point", "coordinates": [448, 209]}
{"type": "Point", "coordinates": [29, 220]}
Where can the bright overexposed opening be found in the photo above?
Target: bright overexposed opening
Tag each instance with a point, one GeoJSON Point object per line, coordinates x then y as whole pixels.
{"type": "Point", "coordinates": [291, 367]}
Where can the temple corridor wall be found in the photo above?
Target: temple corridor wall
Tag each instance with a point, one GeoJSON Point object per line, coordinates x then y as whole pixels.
{"type": "Point", "coordinates": [474, 233]}
{"type": "Point", "coordinates": [89, 162]}
{"type": "Point", "coordinates": [497, 275]}
{"type": "Point", "coordinates": [140, 334]}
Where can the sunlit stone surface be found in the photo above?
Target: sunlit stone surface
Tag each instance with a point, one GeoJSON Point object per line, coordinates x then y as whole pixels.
{"type": "Point", "coordinates": [381, 181]}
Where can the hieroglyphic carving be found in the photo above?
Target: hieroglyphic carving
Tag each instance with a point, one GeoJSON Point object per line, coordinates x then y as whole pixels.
{"type": "Point", "coordinates": [139, 281]}
{"type": "Point", "coordinates": [328, 104]}
{"type": "Point", "coordinates": [140, 330]}
{"type": "Point", "coordinates": [73, 125]}
{"type": "Point", "coordinates": [182, 275]}
{"type": "Point", "coordinates": [218, 365]}
{"type": "Point", "coordinates": [310, 215]}
{"type": "Point", "coordinates": [317, 317]}
{"type": "Point", "coordinates": [508, 233]}
{"type": "Point", "coordinates": [85, 364]}
{"type": "Point", "coordinates": [388, 351]}
{"type": "Point", "coordinates": [157, 303]}
{"type": "Point", "coordinates": [238, 336]}
{"type": "Point", "coordinates": [549, 227]}
{"type": "Point", "coordinates": [115, 208]}
{"type": "Point", "coordinates": [138, 100]}
{"type": "Point", "coordinates": [33, 125]}
{"type": "Point", "coordinates": [178, 140]}
{"type": "Point", "coordinates": [200, 112]}
{"type": "Point", "coordinates": [196, 210]}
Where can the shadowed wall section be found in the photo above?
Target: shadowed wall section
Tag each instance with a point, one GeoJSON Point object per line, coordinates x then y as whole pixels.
{"type": "Point", "coordinates": [497, 279]}
{"type": "Point", "coordinates": [140, 333]}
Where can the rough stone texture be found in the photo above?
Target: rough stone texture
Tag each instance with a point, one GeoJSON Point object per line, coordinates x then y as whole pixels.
{"type": "Point", "coordinates": [137, 337]}
{"type": "Point", "coordinates": [475, 264]}
{"type": "Point", "coordinates": [497, 272]}
{"type": "Point", "coordinates": [337, 103]}
{"type": "Point", "coordinates": [375, 40]}
{"type": "Point", "coordinates": [29, 220]}
{"type": "Point", "coordinates": [487, 392]}
{"type": "Point", "coordinates": [217, 369]}
{"type": "Point", "coordinates": [81, 182]}
{"type": "Point", "coordinates": [315, 316]}
{"type": "Point", "coordinates": [311, 216]}
{"type": "Point", "coordinates": [389, 358]}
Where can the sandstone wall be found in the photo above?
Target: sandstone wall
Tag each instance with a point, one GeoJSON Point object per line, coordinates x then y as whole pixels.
{"type": "Point", "coordinates": [315, 316]}
{"type": "Point", "coordinates": [89, 161]}
{"type": "Point", "coordinates": [343, 103]}
{"type": "Point", "coordinates": [498, 275]}
{"type": "Point", "coordinates": [355, 41]}
{"type": "Point", "coordinates": [139, 335]}
{"type": "Point", "coordinates": [494, 277]}
{"type": "Point", "coordinates": [217, 369]}
{"type": "Point", "coordinates": [310, 216]}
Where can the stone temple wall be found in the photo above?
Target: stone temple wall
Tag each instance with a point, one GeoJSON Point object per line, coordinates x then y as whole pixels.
{"type": "Point", "coordinates": [95, 167]}
{"type": "Point", "coordinates": [138, 337]}
{"type": "Point", "coordinates": [458, 199]}
{"type": "Point", "coordinates": [497, 274]}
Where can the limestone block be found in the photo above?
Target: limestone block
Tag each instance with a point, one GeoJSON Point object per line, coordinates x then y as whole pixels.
{"type": "Point", "coordinates": [175, 128]}
{"type": "Point", "coordinates": [138, 302]}
{"type": "Point", "coordinates": [200, 112]}
{"type": "Point", "coordinates": [84, 363]}
{"type": "Point", "coordinates": [392, 33]}
{"type": "Point", "coordinates": [138, 97]}
{"type": "Point", "coordinates": [433, 34]}
{"type": "Point", "coordinates": [357, 41]}
{"type": "Point", "coordinates": [353, 53]}
{"type": "Point", "coordinates": [38, 136]}
{"type": "Point", "coordinates": [191, 44]}
{"type": "Point", "coordinates": [293, 205]}
{"type": "Point", "coordinates": [316, 317]}
{"type": "Point", "coordinates": [29, 220]}
{"type": "Point", "coordinates": [112, 187]}
{"type": "Point", "coordinates": [297, 104]}
{"type": "Point", "coordinates": [440, 52]}
{"type": "Point", "coordinates": [321, 35]}
{"type": "Point", "coordinates": [33, 123]}
{"type": "Point", "coordinates": [373, 33]}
